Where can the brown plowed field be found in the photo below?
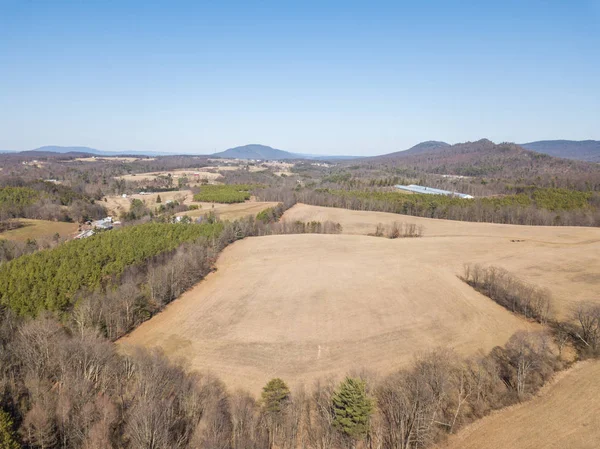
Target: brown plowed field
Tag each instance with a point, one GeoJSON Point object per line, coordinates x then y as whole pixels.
{"type": "Point", "coordinates": [564, 259]}
{"type": "Point", "coordinates": [307, 306]}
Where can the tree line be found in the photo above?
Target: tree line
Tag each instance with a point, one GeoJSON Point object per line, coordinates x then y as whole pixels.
{"type": "Point", "coordinates": [510, 292]}
{"type": "Point", "coordinates": [63, 385]}
{"type": "Point", "coordinates": [515, 209]}
{"type": "Point", "coordinates": [398, 230]}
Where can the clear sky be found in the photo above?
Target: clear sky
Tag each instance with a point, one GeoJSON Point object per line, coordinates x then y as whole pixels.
{"type": "Point", "coordinates": [313, 77]}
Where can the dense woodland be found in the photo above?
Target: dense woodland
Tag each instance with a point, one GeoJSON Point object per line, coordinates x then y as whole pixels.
{"type": "Point", "coordinates": [45, 200]}
{"type": "Point", "coordinates": [48, 280]}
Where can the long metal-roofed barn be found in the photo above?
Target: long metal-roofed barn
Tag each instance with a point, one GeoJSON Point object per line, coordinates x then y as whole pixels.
{"type": "Point", "coordinates": [432, 191]}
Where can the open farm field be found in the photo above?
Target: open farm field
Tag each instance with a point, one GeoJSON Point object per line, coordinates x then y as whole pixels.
{"type": "Point", "coordinates": [190, 173]}
{"type": "Point", "coordinates": [565, 260]}
{"type": "Point", "coordinates": [112, 158]}
{"type": "Point", "coordinates": [35, 229]}
{"type": "Point", "coordinates": [199, 174]}
{"type": "Point", "coordinates": [302, 307]}
{"type": "Point", "coordinates": [115, 204]}
{"type": "Point", "coordinates": [230, 211]}
{"type": "Point", "coordinates": [565, 414]}
{"type": "Point", "coordinates": [251, 168]}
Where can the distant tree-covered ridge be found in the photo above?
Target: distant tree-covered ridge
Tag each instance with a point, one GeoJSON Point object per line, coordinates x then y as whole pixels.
{"type": "Point", "coordinates": [48, 280]}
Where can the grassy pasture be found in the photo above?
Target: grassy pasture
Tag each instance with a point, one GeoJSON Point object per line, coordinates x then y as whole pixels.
{"type": "Point", "coordinates": [36, 229]}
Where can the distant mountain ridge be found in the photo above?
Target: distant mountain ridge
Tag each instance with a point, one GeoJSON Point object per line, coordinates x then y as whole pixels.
{"type": "Point", "coordinates": [63, 150]}
{"type": "Point", "coordinates": [582, 150]}
{"type": "Point", "coordinates": [264, 152]}
{"type": "Point", "coordinates": [94, 151]}
{"type": "Point", "coordinates": [427, 146]}
{"type": "Point", "coordinates": [256, 151]}
{"type": "Point", "coordinates": [483, 158]}
{"type": "Point", "coordinates": [252, 151]}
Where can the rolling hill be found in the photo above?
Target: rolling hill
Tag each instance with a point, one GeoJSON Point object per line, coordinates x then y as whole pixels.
{"type": "Point", "coordinates": [304, 307]}
{"type": "Point", "coordinates": [256, 151]}
{"type": "Point", "coordinates": [564, 259]}
{"type": "Point", "coordinates": [583, 150]}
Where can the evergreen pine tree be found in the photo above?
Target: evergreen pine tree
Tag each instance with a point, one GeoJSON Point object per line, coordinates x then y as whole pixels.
{"type": "Point", "coordinates": [8, 439]}
{"type": "Point", "coordinates": [274, 395]}
{"type": "Point", "coordinates": [352, 408]}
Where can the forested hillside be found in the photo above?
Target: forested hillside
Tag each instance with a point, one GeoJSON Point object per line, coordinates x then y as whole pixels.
{"type": "Point", "coordinates": [46, 200]}
{"type": "Point", "coordinates": [485, 158]}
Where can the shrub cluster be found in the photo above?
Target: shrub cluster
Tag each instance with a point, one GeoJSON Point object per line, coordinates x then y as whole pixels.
{"type": "Point", "coordinates": [398, 230]}
{"type": "Point", "coordinates": [587, 315]}
{"type": "Point", "coordinates": [272, 214]}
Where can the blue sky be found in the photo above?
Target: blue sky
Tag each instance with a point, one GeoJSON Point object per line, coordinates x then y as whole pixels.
{"type": "Point", "coordinates": [313, 77]}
